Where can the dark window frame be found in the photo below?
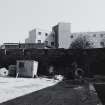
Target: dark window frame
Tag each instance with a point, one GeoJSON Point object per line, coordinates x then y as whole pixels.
{"type": "Point", "coordinates": [102, 43]}
{"type": "Point", "coordinates": [21, 64]}
{"type": "Point", "coordinates": [52, 43]}
{"type": "Point", "coordinates": [39, 41]}
{"type": "Point", "coordinates": [101, 35]}
{"type": "Point", "coordinates": [39, 33]}
{"type": "Point", "coordinates": [71, 36]}
{"type": "Point", "coordinates": [94, 35]}
{"type": "Point", "coordinates": [46, 34]}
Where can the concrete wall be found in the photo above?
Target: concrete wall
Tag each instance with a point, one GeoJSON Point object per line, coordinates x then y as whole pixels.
{"type": "Point", "coordinates": [89, 59]}
{"type": "Point", "coordinates": [42, 36]}
{"type": "Point", "coordinates": [62, 34]}
{"type": "Point", "coordinates": [32, 37]}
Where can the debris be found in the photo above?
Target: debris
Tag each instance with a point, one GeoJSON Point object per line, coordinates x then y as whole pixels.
{"type": "Point", "coordinates": [3, 72]}
{"type": "Point", "coordinates": [58, 77]}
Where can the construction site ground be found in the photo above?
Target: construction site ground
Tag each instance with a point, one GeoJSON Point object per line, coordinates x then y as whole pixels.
{"type": "Point", "coordinates": [44, 91]}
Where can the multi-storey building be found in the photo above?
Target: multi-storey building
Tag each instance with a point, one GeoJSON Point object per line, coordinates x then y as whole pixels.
{"type": "Point", "coordinates": [62, 35]}
{"type": "Point", "coordinates": [41, 36]}
{"type": "Point", "coordinates": [37, 36]}
{"type": "Point", "coordinates": [57, 38]}
{"type": "Point", "coordinates": [97, 38]}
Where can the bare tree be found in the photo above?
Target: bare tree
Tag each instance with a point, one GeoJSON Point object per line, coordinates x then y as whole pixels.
{"type": "Point", "coordinates": [81, 42]}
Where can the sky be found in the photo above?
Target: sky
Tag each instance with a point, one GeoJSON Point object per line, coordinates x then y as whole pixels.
{"type": "Point", "coordinates": [18, 17]}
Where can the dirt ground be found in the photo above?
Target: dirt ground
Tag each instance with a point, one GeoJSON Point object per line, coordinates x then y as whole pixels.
{"type": "Point", "coordinates": [43, 91]}
{"type": "Point", "coordinates": [11, 88]}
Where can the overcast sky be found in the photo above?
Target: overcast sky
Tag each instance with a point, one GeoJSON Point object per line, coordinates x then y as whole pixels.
{"type": "Point", "coordinates": [17, 17]}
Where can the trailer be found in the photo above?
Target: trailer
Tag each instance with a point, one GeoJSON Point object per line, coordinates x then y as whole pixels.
{"type": "Point", "coordinates": [26, 68]}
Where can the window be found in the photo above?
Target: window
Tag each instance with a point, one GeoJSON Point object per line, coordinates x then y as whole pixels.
{"type": "Point", "coordinates": [46, 42]}
{"type": "Point", "coordinates": [71, 36]}
{"type": "Point", "coordinates": [52, 43]}
{"type": "Point", "coordinates": [21, 64]}
{"type": "Point", "coordinates": [87, 44]}
{"type": "Point", "coordinates": [46, 34]}
{"type": "Point", "coordinates": [102, 43]}
{"type": "Point", "coordinates": [101, 35]}
{"type": "Point", "coordinates": [39, 41]}
{"type": "Point", "coordinates": [39, 33]}
{"type": "Point", "coordinates": [94, 35]}
{"type": "Point", "coordinates": [5, 72]}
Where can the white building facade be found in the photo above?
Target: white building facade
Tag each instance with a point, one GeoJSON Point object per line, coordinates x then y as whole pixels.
{"type": "Point", "coordinates": [59, 37]}
{"type": "Point", "coordinates": [41, 36]}
{"type": "Point", "coordinates": [97, 38]}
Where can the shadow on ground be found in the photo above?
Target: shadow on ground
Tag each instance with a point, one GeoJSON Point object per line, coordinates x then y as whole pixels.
{"type": "Point", "coordinates": [100, 88]}
{"type": "Point", "coordinates": [62, 93]}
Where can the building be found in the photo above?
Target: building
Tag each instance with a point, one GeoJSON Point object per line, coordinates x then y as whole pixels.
{"type": "Point", "coordinates": [9, 46]}
{"type": "Point", "coordinates": [32, 45]}
{"type": "Point", "coordinates": [37, 36]}
{"type": "Point", "coordinates": [23, 46]}
{"type": "Point", "coordinates": [57, 38]}
{"type": "Point", "coordinates": [40, 36]}
{"type": "Point", "coordinates": [26, 68]}
{"type": "Point", "coordinates": [97, 38]}
{"type": "Point", "coordinates": [62, 35]}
